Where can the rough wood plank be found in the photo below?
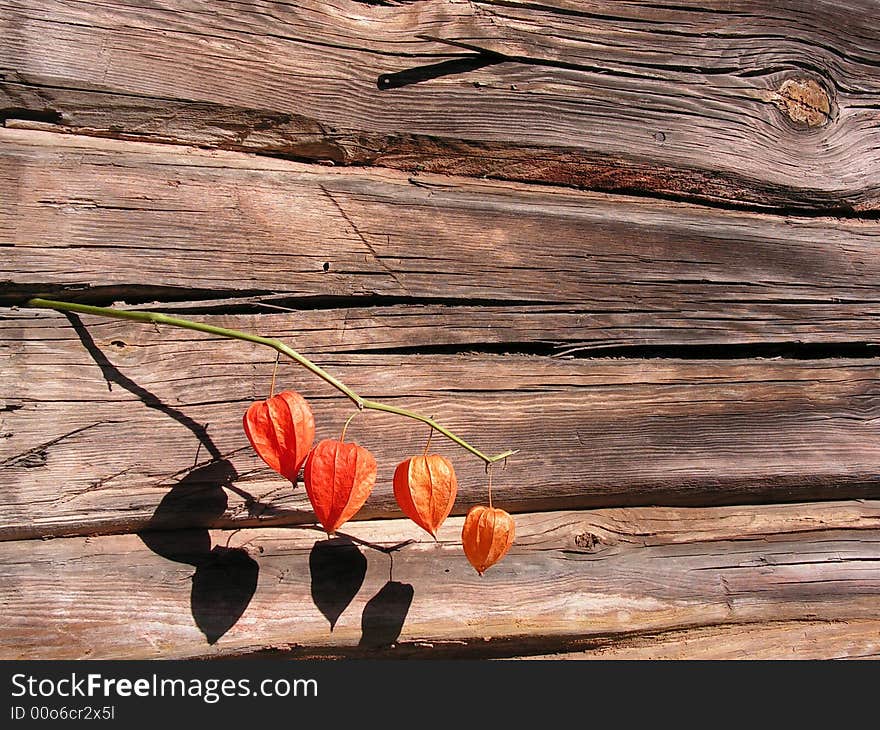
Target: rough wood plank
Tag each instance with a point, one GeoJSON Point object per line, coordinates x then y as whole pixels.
{"type": "Point", "coordinates": [730, 102]}
{"type": "Point", "coordinates": [281, 589]}
{"type": "Point", "coordinates": [109, 425]}
{"type": "Point", "coordinates": [792, 640]}
{"type": "Point", "coordinates": [537, 267]}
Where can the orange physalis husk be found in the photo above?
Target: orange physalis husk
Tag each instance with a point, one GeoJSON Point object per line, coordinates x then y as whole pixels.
{"type": "Point", "coordinates": [486, 536]}
{"type": "Point", "coordinates": [281, 429]}
{"type": "Point", "coordinates": [338, 477]}
{"type": "Point", "coordinates": [425, 488]}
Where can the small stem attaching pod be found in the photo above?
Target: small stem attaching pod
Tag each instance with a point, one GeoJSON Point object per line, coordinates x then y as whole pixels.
{"type": "Point", "coordinates": [274, 372]}
{"type": "Point", "coordinates": [345, 427]}
{"type": "Point", "coordinates": [428, 443]}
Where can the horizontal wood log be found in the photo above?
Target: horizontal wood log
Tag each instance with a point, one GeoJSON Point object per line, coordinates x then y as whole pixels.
{"type": "Point", "coordinates": [468, 262]}
{"type": "Point", "coordinates": [721, 102]}
{"type": "Point", "coordinates": [112, 426]}
{"type": "Point", "coordinates": [142, 161]}
{"type": "Point", "coordinates": [572, 581]}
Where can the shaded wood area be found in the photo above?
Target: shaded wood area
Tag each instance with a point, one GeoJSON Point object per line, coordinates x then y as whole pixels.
{"type": "Point", "coordinates": [744, 571]}
{"type": "Point", "coordinates": [772, 640]}
{"type": "Point", "coordinates": [724, 102]}
{"type": "Point", "coordinates": [635, 241]}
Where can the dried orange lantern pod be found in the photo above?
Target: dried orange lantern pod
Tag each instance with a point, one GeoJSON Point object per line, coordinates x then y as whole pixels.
{"type": "Point", "coordinates": [486, 536]}
{"type": "Point", "coordinates": [339, 477]}
{"type": "Point", "coordinates": [425, 488]}
{"type": "Point", "coordinates": [281, 429]}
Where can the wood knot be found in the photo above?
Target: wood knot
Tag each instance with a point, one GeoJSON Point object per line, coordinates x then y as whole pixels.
{"type": "Point", "coordinates": [803, 101]}
{"type": "Point", "coordinates": [586, 541]}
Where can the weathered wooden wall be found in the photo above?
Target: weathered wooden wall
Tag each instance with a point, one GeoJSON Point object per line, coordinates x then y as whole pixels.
{"type": "Point", "coordinates": [636, 241]}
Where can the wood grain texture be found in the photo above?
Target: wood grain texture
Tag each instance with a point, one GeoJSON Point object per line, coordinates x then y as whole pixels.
{"type": "Point", "coordinates": [571, 581]}
{"type": "Point", "coordinates": [144, 427]}
{"type": "Point", "coordinates": [468, 262]}
{"type": "Point", "coordinates": [724, 102]}
{"type": "Point", "coordinates": [720, 479]}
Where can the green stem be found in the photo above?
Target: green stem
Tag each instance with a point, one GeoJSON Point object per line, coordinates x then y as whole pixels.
{"type": "Point", "coordinates": [345, 427]}
{"type": "Point", "coordinates": [376, 406]}
{"type": "Point", "coordinates": [277, 345]}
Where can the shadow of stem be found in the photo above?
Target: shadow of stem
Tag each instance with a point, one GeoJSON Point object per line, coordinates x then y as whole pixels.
{"type": "Point", "coordinates": [225, 579]}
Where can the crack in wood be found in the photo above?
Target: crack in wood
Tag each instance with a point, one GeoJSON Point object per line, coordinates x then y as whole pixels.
{"type": "Point", "coordinates": [683, 351]}
{"type": "Point", "coordinates": [46, 116]}
{"type": "Point", "coordinates": [375, 255]}
{"type": "Point", "coordinates": [93, 486]}
{"type": "Point", "coordinates": [38, 455]}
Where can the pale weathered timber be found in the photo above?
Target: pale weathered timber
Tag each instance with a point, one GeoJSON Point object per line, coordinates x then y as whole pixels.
{"type": "Point", "coordinates": [571, 581]}
{"type": "Point", "coordinates": [110, 426]}
{"type": "Point", "coordinates": [806, 639]}
{"type": "Point", "coordinates": [546, 268]}
{"type": "Point", "coordinates": [140, 162]}
{"type": "Point", "coordinates": [726, 102]}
